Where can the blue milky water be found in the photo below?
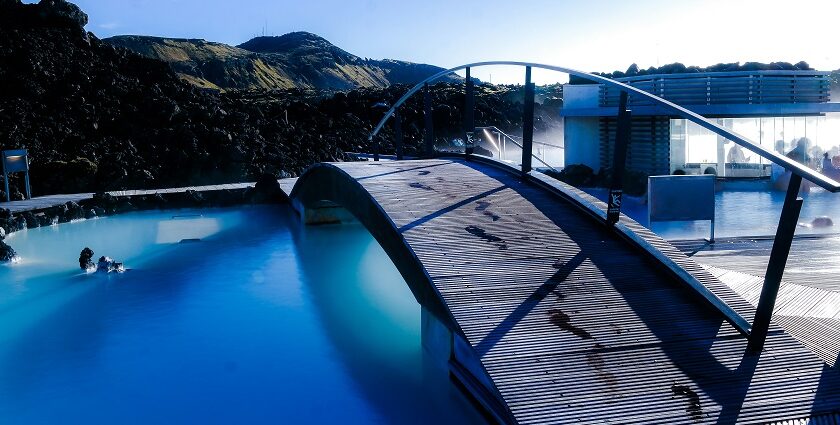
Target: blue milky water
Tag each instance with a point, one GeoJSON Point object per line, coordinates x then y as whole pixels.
{"type": "Point", "coordinates": [261, 321]}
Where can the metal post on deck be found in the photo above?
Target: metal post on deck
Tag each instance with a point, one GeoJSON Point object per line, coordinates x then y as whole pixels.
{"type": "Point", "coordinates": [528, 123]}
{"type": "Point", "coordinates": [398, 134]}
{"type": "Point", "coordinates": [429, 128]}
{"type": "Point", "coordinates": [469, 114]}
{"type": "Point", "coordinates": [622, 139]}
{"type": "Point", "coordinates": [776, 265]}
{"type": "Point", "coordinates": [375, 142]}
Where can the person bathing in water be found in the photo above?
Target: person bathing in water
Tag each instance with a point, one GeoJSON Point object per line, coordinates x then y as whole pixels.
{"type": "Point", "coordinates": [105, 264]}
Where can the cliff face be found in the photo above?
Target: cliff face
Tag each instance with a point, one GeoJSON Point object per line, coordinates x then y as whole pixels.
{"type": "Point", "coordinates": [295, 60]}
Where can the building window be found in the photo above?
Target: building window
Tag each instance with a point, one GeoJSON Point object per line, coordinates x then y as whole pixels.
{"type": "Point", "coordinates": [696, 150]}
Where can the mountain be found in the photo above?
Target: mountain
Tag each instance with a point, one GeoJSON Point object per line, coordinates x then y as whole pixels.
{"type": "Point", "coordinates": [295, 60]}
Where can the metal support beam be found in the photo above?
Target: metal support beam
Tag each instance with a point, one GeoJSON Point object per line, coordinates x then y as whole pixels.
{"type": "Point", "coordinates": [528, 123]}
{"type": "Point", "coordinates": [429, 128]}
{"type": "Point", "coordinates": [469, 114]}
{"type": "Point", "coordinates": [776, 266]}
{"type": "Point", "coordinates": [622, 139]}
{"type": "Point", "coordinates": [6, 180]}
{"type": "Point", "coordinates": [398, 134]}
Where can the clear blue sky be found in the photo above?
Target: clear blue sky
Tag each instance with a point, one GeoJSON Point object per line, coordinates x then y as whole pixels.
{"type": "Point", "coordinates": [592, 35]}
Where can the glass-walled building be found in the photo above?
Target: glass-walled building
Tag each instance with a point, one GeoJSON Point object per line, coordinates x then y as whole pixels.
{"type": "Point", "coordinates": [694, 149]}
{"type": "Point", "coordinates": [781, 110]}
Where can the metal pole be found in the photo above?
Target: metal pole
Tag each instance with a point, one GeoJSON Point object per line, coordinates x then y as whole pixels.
{"type": "Point", "coordinates": [528, 122]}
{"type": "Point", "coordinates": [28, 189]}
{"type": "Point", "coordinates": [503, 145]}
{"type": "Point", "coordinates": [398, 134]}
{"type": "Point", "coordinates": [711, 231]}
{"type": "Point", "coordinates": [6, 178]}
{"type": "Point", "coordinates": [429, 134]}
{"type": "Point", "coordinates": [622, 139]}
{"type": "Point", "coordinates": [776, 265]}
{"type": "Point", "coordinates": [469, 114]}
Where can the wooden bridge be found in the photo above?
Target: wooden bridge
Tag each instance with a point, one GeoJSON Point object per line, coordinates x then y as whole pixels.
{"type": "Point", "coordinates": [547, 315]}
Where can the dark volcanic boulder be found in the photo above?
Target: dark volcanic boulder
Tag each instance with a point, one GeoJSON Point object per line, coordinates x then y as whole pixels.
{"type": "Point", "coordinates": [12, 223]}
{"type": "Point", "coordinates": [6, 253]}
{"type": "Point", "coordinates": [45, 219]}
{"type": "Point", "coordinates": [106, 202]}
{"type": "Point", "coordinates": [267, 190]}
{"type": "Point", "coordinates": [31, 220]}
{"type": "Point", "coordinates": [73, 211]}
{"type": "Point", "coordinates": [86, 259]}
{"type": "Point", "coordinates": [822, 221]}
{"type": "Point", "coordinates": [124, 204]}
{"type": "Point", "coordinates": [57, 213]}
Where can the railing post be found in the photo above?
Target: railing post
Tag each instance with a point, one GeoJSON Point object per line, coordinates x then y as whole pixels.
{"type": "Point", "coordinates": [528, 123]}
{"type": "Point", "coordinates": [429, 127]}
{"type": "Point", "coordinates": [622, 139]}
{"type": "Point", "coordinates": [398, 134]}
{"type": "Point", "coordinates": [469, 114]}
{"type": "Point", "coordinates": [776, 265]}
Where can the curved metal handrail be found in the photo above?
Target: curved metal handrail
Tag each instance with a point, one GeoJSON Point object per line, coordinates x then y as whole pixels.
{"type": "Point", "coordinates": [789, 164]}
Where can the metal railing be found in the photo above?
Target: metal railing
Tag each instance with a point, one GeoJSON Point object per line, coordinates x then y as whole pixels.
{"type": "Point", "coordinates": [790, 211]}
{"type": "Point", "coordinates": [503, 138]}
{"type": "Point", "coordinates": [789, 164]}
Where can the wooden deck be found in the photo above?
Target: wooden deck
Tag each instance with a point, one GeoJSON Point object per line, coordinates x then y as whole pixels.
{"type": "Point", "coordinates": [43, 202]}
{"type": "Point", "coordinates": [812, 262]}
{"type": "Point", "coordinates": [572, 323]}
{"type": "Point", "coordinates": [810, 314]}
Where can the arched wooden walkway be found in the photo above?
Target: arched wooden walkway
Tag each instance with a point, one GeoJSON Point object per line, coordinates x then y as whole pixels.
{"type": "Point", "coordinates": [570, 321]}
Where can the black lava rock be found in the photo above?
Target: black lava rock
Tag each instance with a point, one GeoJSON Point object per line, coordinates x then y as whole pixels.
{"type": "Point", "coordinates": [267, 190]}
{"type": "Point", "coordinates": [31, 221]}
{"type": "Point", "coordinates": [45, 219]}
{"type": "Point", "coordinates": [6, 252]}
{"type": "Point", "coordinates": [73, 211]}
{"type": "Point", "coordinates": [86, 259]}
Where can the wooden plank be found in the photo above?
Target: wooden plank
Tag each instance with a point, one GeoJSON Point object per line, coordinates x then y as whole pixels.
{"type": "Point", "coordinates": [809, 314]}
